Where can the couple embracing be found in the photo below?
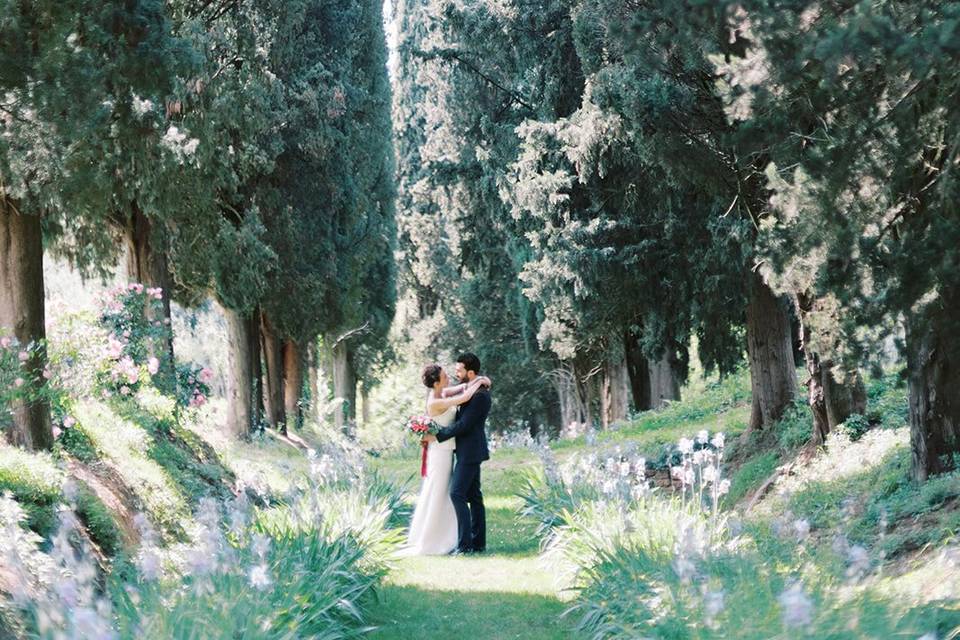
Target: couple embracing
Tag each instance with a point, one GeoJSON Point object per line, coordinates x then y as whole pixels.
{"type": "Point", "coordinates": [449, 515]}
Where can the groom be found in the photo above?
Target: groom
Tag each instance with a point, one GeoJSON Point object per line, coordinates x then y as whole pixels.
{"type": "Point", "coordinates": [472, 449]}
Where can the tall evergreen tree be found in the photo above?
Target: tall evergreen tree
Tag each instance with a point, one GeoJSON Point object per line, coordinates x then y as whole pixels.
{"type": "Point", "coordinates": [863, 134]}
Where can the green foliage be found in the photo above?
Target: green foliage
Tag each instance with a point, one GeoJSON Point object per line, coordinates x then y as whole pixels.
{"type": "Point", "coordinates": [855, 426]}
{"type": "Point", "coordinates": [99, 522]}
{"type": "Point", "coordinates": [794, 428]}
{"type": "Point", "coordinates": [21, 381]}
{"type": "Point", "coordinates": [75, 442]}
{"type": "Point", "coordinates": [34, 480]}
{"type": "Point", "coordinates": [750, 474]}
{"type": "Point", "coordinates": [887, 401]}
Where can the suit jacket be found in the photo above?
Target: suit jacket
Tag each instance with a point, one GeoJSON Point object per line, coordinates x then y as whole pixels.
{"type": "Point", "coordinates": [470, 429]}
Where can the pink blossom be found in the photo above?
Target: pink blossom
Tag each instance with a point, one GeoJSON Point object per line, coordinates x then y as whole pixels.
{"type": "Point", "coordinates": [47, 374]}
{"type": "Point", "coordinates": [136, 287]}
{"type": "Point", "coordinates": [5, 342]}
{"type": "Point", "coordinates": [114, 347]}
{"type": "Point", "coordinates": [206, 375]}
{"type": "Point", "coordinates": [56, 432]}
{"type": "Point", "coordinates": [24, 356]}
{"type": "Point", "coordinates": [124, 390]}
{"type": "Point", "coordinates": [69, 421]}
{"type": "Point", "coordinates": [153, 365]}
{"type": "Point", "coordinates": [198, 400]}
{"type": "Point", "coordinates": [191, 380]}
{"type": "Point", "coordinates": [18, 382]}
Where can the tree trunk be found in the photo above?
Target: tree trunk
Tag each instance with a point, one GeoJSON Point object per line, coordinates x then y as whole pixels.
{"type": "Point", "coordinates": [638, 369]}
{"type": "Point", "coordinates": [313, 381]}
{"type": "Point", "coordinates": [148, 265]}
{"type": "Point", "coordinates": [345, 388]}
{"type": "Point", "coordinates": [240, 383]}
{"type": "Point", "coordinates": [292, 383]}
{"type": "Point", "coordinates": [831, 402]}
{"type": "Point", "coordinates": [273, 361]}
{"type": "Point", "coordinates": [933, 360]}
{"type": "Point", "coordinates": [616, 390]}
{"type": "Point", "coordinates": [588, 395]}
{"type": "Point", "coordinates": [773, 377]}
{"type": "Point", "coordinates": [843, 399]}
{"type": "Point", "coordinates": [22, 311]}
{"type": "Point", "coordinates": [256, 370]}
{"type": "Point", "coordinates": [364, 405]}
{"type": "Point", "coordinates": [568, 403]}
{"type": "Point", "coordinates": [664, 382]}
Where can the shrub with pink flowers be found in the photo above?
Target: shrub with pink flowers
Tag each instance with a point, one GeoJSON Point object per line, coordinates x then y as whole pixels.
{"type": "Point", "coordinates": [137, 341]}
{"type": "Point", "coordinates": [193, 385]}
{"type": "Point", "coordinates": [21, 377]}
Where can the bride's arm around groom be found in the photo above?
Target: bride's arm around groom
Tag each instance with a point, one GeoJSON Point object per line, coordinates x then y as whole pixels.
{"type": "Point", "coordinates": [471, 418]}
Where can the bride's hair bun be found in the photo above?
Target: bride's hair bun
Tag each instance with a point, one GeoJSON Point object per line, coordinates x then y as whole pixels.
{"type": "Point", "coordinates": [431, 374]}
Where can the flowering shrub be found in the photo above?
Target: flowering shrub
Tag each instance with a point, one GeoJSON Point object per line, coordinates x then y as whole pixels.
{"type": "Point", "coordinates": [20, 379]}
{"type": "Point", "coordinates": [136, 339]}
{"type": "Point", "coordinates": [193, 384]}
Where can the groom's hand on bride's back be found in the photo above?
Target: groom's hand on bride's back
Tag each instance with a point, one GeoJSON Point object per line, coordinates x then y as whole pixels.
{"type": "Point", "coordinates": [428, 438]}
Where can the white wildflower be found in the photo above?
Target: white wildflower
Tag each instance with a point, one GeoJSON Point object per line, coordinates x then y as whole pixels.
{"type": "Point", "coordinates": [801, 528]}
{"type": "Point", "coordinates": [712, 605]}
{"type": "Point", "coordinates": [703, 436]}
{"type": "Point", "coordinates": [259, 577]}
{"type": "Point", "coordinates": [685, 445]}
{"type": "Point", "coordinates": [709, 473]}
{"type": "Point", "coordinates": [718, 441]}
{"type": "Point", "coordinates": [141, 106]}
{"type": "Point", "coordinates": [859, 561]}
{"type": "Point", "coordinates": [796, 606]}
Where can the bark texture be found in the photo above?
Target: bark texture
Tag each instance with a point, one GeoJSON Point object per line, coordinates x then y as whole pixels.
{"type": "Point", "coordinates": [22, 312]}
{"type": "Point", "coordinates": [773, 377]}
{"type": "Point", "coordinates": [292, 383]}
{"type": "Point", "coordinates": [831, 402]}
{"type": "Point", "coordinates": [653, 383]}
{"type": "Point", "coordinates": [616, 390]}
{"type": "Point", "coordinates": [313, 382]}
{"type": "Point", "coordinates": [345, 388]}
{"type": "Point", "coordinates": [273, 394]}
{"type": "Point", "coordinates": [933, 359]}
{"type": "Point", "coordinates": [240, 381]}
{"type": "Point", "coordinates": [664, 382]}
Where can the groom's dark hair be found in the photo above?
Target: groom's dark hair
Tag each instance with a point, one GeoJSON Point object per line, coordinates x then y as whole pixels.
{"type": "Point", "coordinates": [470, 362]}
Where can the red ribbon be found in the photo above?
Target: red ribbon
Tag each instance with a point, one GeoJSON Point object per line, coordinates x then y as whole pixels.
{"type": "Point", "coordinates": [423, 460]}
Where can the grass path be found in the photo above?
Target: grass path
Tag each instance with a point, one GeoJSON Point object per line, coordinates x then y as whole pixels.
{"type": "Point", "coordinates": [505, 593]}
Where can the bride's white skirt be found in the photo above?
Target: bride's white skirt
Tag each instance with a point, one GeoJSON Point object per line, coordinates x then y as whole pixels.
{"type": "Point", "coordinates": [433, 528]}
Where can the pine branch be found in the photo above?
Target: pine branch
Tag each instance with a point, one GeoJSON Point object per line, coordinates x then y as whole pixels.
{"type": "Point", "coordinates": [453, 54]}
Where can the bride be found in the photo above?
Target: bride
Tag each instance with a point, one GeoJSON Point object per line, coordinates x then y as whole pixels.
{"type": "Point", "coordinates": [433, 529]}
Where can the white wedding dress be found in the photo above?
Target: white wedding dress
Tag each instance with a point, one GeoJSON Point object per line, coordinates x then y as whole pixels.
{"type": "Point", "coordinates": [433, 528]}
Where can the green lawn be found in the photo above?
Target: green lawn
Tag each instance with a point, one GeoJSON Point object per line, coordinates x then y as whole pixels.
{"type": "Point", "coordinates": [505, 593]}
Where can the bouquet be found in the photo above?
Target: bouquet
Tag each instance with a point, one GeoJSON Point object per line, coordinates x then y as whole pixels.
{"type": "Point", "coordinates": [421, 426]}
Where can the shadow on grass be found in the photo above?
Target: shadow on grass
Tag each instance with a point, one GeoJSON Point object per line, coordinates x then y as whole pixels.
{"type": "Point", "coordinates": [406, 612]}
{"type": "Point", "coordinates": [190, 463]}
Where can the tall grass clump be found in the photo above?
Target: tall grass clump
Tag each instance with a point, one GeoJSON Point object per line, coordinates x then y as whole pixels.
{"type": "Point", "coordinates": [306, 567]}
{"type": "Point", "coordinates": [670, 562]}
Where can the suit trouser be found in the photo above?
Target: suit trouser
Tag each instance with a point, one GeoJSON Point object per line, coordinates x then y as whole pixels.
{"type": "Point", "coordinates": [472, 519]}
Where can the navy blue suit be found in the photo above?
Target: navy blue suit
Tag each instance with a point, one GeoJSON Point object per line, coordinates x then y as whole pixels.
{"type": "Point", "coordinates": [469, 430]}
